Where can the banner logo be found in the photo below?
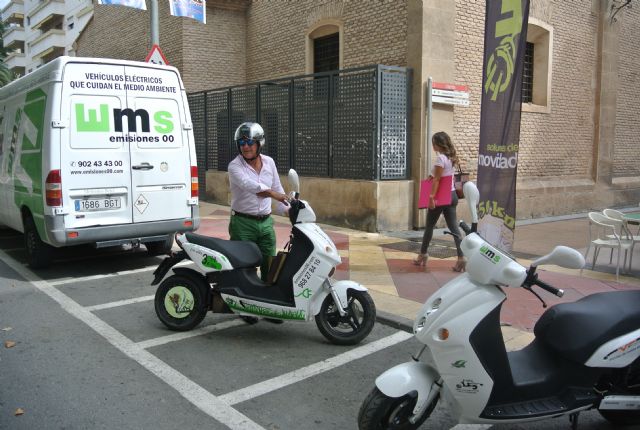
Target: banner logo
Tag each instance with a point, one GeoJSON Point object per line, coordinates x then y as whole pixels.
{"type": "Point", "coordinates": [501, 63]}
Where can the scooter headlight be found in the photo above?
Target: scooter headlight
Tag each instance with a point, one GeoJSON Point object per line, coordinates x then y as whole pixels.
{"type": "Point", "coordinates": [435, 305]}
{"type": "Point", "coordinates": [420, 324]}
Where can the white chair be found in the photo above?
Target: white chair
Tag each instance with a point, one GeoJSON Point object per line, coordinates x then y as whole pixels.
{"type": "Point", "coordinates": [626, 231]}
{"type": "Point", "coordinates": [605, 232]}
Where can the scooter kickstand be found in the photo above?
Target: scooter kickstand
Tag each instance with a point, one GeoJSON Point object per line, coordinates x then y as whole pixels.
{"type": "Point", "coordinates": [573, 419]}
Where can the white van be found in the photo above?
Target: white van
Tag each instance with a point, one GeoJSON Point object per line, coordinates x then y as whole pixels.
{"type": "Point", "coordinates": [97, 151]}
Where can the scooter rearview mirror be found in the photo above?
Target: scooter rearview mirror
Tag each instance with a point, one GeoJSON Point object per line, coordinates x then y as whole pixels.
{"type": "Point", "coordinates": [472, 195]}
{"type": "Point", "coordinates": [562, 256]}
{"type": "Point", "coordinates": [294, 181]}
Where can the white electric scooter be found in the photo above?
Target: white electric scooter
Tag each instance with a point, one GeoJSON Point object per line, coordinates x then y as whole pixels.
{"type": "Point", "coordinates": [225, 280]}
{"type": "Point", "coordinates": [585, 354]}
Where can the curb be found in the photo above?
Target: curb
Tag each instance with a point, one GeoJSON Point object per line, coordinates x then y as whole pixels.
{"type": "Point", "coordinates": [395, 321]}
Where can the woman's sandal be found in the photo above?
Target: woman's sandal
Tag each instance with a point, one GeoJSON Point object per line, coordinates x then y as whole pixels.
{"type": "Point", "coordinates": [420, 260]}
{"type": "Point", "coordinates": [460, 266]}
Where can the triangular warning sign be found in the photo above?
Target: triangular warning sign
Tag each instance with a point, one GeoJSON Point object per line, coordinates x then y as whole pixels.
{"type": "Point", "coordinates": [156, 56]}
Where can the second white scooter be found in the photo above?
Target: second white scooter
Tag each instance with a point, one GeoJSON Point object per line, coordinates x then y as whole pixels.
{"type": "Point", "coordinates": [585, 354]}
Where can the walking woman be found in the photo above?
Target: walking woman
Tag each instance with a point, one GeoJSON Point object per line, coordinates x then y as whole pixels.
{"type": "Point", "coordinates": [443, 166]}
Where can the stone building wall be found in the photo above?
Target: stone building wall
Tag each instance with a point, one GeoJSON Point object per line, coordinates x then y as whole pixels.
{"type": "Point", "coordinates": [207, 56]}
{"type": "Point", "coordinates": [555, 144]}
{"type": "Point", "coordinates": [560, 143]}
{"type": "Point", "coordinates": [627, 148]}
{"type": "Point", "coordinates": [375, 32]}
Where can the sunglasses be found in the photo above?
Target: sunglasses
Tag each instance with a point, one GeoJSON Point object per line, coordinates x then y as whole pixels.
{"type": "Point", "coordinates": [246, 141]}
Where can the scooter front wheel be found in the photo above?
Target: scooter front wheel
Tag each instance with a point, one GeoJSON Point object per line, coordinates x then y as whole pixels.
{"type": "Point", "coordinates": [354, 326]}
{"type": "Point", "coordinates": [381, 412]}
{"type": "Point", "coordinates": [180, 302]}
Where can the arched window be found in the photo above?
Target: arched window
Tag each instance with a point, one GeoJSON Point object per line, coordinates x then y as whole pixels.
{"type": "Point", "coordinates": [536, 79]}
{"type": "Point", "coordinates": [324, 47]}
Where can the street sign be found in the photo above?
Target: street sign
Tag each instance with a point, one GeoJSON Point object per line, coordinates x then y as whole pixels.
{"type": "Point", "coordinates": [155, 56]}
{"type": "Point", "coordinates": [450, 94]}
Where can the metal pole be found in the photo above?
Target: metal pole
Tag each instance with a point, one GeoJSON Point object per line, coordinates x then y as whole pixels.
{"type": "Point", "coordinates": [429, 120]}
{"type": "Point", "coordinates": [155, 25]}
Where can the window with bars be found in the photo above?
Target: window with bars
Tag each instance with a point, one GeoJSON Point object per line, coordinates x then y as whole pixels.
{"type": "Point", "coordinates": [527, 74]}
{"type": "Point", "coordinates": [326, 53]}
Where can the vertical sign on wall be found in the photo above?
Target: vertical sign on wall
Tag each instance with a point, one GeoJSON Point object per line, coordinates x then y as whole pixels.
{"type": "Point", "coordinates": [505, 38]}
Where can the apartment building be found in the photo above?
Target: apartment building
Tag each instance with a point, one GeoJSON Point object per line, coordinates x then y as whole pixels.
{"type": "Point", "coordinates": [40, 30]}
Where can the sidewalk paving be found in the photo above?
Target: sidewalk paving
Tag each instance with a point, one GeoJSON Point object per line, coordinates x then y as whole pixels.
{"type": "Point", "coordinates": [382, 263]}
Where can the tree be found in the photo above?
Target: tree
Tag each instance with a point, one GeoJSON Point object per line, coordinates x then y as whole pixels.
{"type": "Point", "coordinates": [5, 74]}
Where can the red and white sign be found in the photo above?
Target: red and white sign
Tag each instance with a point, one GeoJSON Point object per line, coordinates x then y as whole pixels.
{"type": "Point", "coordinates": [450, 94]}
{"type": "Point", "coordinates": [155, 56]}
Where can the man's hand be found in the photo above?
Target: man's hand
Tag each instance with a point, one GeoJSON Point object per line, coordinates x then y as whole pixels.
{"type": "Point", "coordinates": [274, 195]}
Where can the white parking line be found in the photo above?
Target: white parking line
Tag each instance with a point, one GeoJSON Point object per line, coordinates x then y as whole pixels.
{"type": "Point", "coordinates": [298, 375]}
{"type": "Point", "coordinates": [194, 393]}
{"type": "Point", "coordinates": [118, 303]}
{"type": "Point", "coordinates": [109, 275]}
{"type": "Point", "coordinates": [150, 343]}
{"type": "Point", "coordinates": [105, 275]}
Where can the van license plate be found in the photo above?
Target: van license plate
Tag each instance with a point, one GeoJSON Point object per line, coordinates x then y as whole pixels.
{"type": "Point", "coordinates": [97, 205]}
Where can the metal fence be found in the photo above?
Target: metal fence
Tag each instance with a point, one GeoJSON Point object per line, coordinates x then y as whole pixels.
{"type": "Point", "coordinates": [351, 124]}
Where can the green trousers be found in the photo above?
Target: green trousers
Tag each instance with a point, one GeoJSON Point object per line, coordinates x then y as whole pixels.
{"type": "Point", "coordinates": [259, 232]}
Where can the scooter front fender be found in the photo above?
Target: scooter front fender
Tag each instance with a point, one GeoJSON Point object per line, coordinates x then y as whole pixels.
{"type": "Point", "coordinates": [411, 377]}
{"type": "Point", "coordinates": [341, 288]}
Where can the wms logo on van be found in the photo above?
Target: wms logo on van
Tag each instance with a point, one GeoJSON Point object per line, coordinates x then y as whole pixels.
{"type": "Point", "coordinates": [87, 120]}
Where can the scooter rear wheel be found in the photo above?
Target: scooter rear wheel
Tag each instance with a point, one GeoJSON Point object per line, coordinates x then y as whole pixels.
{"type": "Point", "coordinates": [354, 326]}
{"type": "Point", "coordinates": [180, 302]}
{"type": "Point", "coordinates": [381, 412]}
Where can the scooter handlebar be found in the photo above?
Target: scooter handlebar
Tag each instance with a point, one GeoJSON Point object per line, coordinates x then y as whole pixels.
{"type": "Point", "coordinates": [553, 290]}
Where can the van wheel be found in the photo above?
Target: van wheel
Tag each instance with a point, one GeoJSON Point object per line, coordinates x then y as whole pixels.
{"type": "Point", "coordinates": [38, 252]}
{"type": "Point", "coordinates": [160, 248]}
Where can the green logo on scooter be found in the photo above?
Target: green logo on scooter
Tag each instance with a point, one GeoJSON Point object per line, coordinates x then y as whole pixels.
{"type": "Point", "coordinates": [209, 261]}
{"type": "Point", "coordinates": [459, 364]}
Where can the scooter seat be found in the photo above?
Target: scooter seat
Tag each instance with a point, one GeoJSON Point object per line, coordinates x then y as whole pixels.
{"type": "Point", "coordinates": [576, 330]}
{"type": "Point", "coordinates": [240, 253]}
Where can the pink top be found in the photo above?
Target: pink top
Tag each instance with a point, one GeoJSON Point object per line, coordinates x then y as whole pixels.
{"type": "Point", "coordinates": [447, 167]}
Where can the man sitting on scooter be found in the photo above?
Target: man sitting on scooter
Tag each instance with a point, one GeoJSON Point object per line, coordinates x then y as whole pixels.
{"type": "Point", "coordinates": [254, 181]}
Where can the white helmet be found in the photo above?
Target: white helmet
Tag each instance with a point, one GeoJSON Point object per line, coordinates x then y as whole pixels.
{"type": "Point", "coordinates": [249, 131]}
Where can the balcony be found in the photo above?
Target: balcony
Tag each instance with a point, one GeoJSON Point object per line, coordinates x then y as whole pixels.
{"type": "Point", "coordinates": [45, 12]}
{"type": "Point", "coordinates": [13, 12]}
{"type": "Point", "coordinates": [47, 42]}
{"type": "Point", "coordinates": [15, 60]}
{"type": "Point", "coordinates": [13, 38]}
